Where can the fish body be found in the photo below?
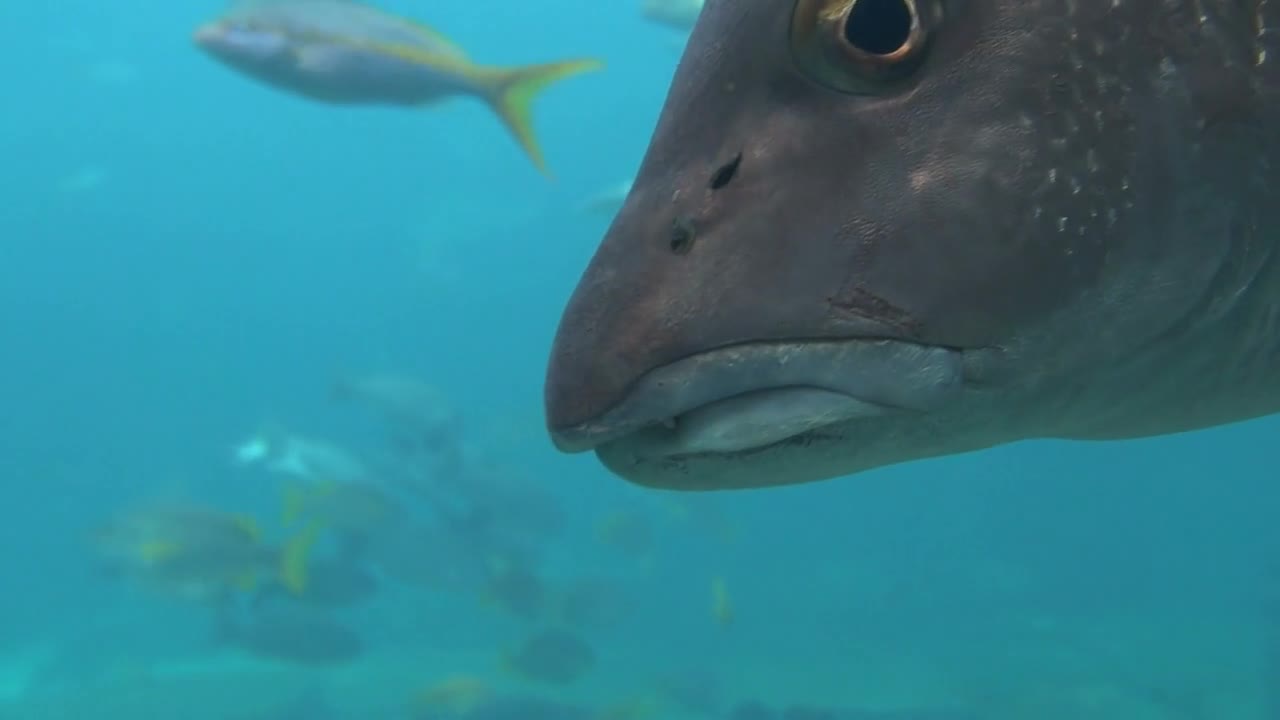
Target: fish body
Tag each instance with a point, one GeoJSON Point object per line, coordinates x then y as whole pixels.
{"type": "Point", "coordinates": [304, 458]}
{"type": "Point", "coordinates": [199, 554]}
{"type": "Point", "coordinates": [342, 506]}
{"type": "Point", "coordinates": [515, 589]}
{"type": "Point", "coordinates": [419, 414]}
{"type": "Point", "coordinates": [349, 53]}
{"type": "Point", "coordinates": [331, 584]}
{"type": "Point", "coordinates": [553, 657]}
{"type": "Point", "coordinates": [864, 238]}
{"type": "Point", "coordinates": [294, 638]}
{"type": "Point", "coordinates": [337, 51]}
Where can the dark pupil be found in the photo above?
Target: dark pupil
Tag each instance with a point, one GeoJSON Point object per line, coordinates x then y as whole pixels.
{"type": "Point", "coordinates": [878, 27]}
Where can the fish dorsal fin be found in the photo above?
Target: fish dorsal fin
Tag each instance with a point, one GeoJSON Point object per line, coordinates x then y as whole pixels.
{"type": "Point", "coordinates": [437, 38]}
{"type": "Point", "coordinates": [419, 43]}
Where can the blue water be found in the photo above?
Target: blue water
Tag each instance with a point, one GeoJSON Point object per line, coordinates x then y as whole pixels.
{"type": "Point", "coordinates": [186, 254]}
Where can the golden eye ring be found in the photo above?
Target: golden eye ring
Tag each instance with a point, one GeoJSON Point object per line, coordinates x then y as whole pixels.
{"type": "Point", "coordinates": [862, 46]}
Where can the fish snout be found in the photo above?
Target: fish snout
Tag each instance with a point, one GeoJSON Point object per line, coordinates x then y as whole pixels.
{"type": "Point", "coordinates": [207, 35]}
{"type": "Point", "coordinates": [711, 320]}
{"type": "Point", "coordinates": [247, 45]}
{"type": "Point", "coordinates": [760, 283]}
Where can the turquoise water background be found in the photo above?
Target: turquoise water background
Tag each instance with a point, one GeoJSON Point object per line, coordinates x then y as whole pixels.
{"type": "Point", "coordinates": [186, 255]}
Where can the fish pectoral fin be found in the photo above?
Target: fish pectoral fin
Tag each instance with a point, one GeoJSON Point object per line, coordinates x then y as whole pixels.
{"type": "Point", "coordinates": [511, 93]}
{"type": "Point", "coordinates": [438, 38]}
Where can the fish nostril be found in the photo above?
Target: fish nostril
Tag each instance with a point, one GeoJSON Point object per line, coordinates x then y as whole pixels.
{"type": "Point", "coordinates": [682, 235]}
{"type": "Point", "coordinates": [726, 173]}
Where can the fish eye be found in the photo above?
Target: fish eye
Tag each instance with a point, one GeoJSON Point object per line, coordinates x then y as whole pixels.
{"type": "Point", "coordinates": [862, 46]}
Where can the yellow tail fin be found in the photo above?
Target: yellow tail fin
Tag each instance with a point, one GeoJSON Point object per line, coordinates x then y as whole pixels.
{"type": "Point", "coordinates": [295, 557]}
{"type": "Point", "coordinates": [511, 92]}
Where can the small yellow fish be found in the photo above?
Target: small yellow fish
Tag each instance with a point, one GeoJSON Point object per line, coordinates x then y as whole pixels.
{"type": "Point", "coordinates": [346, 52]}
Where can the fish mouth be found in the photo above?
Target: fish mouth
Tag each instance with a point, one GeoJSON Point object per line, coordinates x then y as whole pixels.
{"type": "Point", "coordinates": [744, 398]}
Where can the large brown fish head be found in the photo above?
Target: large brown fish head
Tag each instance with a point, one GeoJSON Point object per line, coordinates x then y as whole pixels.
{"type": "Point", "coordinates": [872, 231]}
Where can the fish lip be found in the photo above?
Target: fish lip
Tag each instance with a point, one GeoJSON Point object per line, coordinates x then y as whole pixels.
{"type": "Point", "coordinates": [888, 374]}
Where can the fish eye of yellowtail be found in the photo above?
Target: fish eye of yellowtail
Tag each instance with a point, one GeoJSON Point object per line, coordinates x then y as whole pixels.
{"type": "Point", "coordinates": [862, 46]}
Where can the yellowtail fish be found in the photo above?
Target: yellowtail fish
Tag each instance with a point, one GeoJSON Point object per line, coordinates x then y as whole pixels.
{"type": "Point", "coordinates": [197, 552]}
{"type": "Point", "coordinates": [345, 52]}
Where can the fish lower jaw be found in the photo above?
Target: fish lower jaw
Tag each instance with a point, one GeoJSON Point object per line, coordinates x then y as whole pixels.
{"type": "Point", "coordinates": [752, 395]}
{"type": "Point", "coordinates": [758, 419]}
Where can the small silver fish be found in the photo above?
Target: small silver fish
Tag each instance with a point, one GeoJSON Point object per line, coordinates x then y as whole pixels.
{"type": "Point", "coordinates": [345, 52]}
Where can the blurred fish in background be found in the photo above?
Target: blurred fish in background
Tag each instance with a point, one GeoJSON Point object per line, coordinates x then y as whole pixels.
{"type": "Point", "coordinates": [199, 554]}
{"type": "Point", "coordinates": [553, 657]}
{"type": "Point", "coordinates": [345, 52]}
{"type": "Point", "coordinates": [288, 636]}
{"type": "Point", "coordinates": [332, 583]}
{"type": "Point", "coordinates": [418, 416]}
{"type": "Point", "coordinates": [297, 456]}
{"type": "Point", "coordinates": [357, 513]}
